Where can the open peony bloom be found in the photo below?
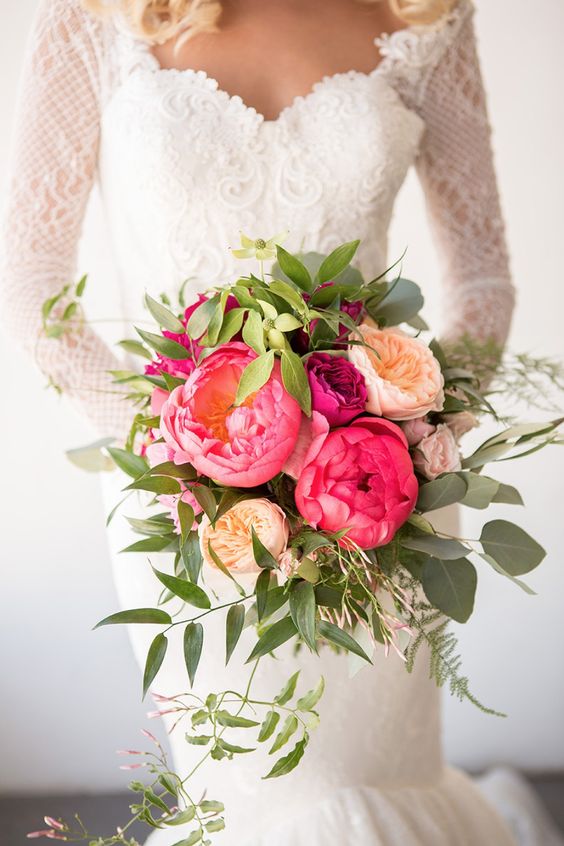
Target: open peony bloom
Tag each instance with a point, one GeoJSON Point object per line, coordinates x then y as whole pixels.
{"type": "Point", "coordinates": [231, 538]}
{"type": "Point", "coordinates": [360, 477]}
{"type": "Point", "coordinates": [241, 446]}
{"type": "Point", "coordinates": [403, 377]}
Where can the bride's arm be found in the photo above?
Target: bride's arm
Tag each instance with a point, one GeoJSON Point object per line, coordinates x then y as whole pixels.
{"type": "Point", "coordinates": [456, 170]}
{"type": "Point", "coordinates": [54, 162]}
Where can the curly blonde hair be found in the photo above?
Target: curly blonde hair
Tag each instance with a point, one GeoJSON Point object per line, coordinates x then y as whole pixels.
{"type": "Point", "coordinates": [159, 20]}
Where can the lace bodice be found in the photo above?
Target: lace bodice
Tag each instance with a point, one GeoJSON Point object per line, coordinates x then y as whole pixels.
{"type": "Point", "coordinates": [182, 166]}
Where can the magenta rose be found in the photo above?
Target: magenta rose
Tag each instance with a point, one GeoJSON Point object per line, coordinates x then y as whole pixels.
{"type": "Point", "coordinates": [243, 446]}
{"type": "Point", "coordinates": [361, 478]}
{"type": "Point", "coordinates": [338, 390]}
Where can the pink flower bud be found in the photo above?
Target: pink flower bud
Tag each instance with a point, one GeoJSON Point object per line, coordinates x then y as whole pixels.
{"type": "Point", "coordinates": [148, 734]}
{"type": "Point", "coordinates": [54, 823]}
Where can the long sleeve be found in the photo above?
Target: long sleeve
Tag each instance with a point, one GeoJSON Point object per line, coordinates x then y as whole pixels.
{"type": "Point", "coordinates": [436, 72]}
{"type": "Point", "coordinates": [53, 168]}
{"type": "Point", "coordinates": [456, 170]}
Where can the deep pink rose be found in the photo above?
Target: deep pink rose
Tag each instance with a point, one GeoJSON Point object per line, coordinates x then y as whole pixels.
{"type": "Point", "coordinates": [338, 390]}
{"type": "Point", "coordinates": [360, 477]}
{"type": "Point", "coordinates": [242, 446]}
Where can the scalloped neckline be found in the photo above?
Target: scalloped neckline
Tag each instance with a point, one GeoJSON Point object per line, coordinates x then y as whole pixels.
{"type": "Point", "coordinates": [385, 43]}
{"type": "Point", "coordinates": [202, 76]}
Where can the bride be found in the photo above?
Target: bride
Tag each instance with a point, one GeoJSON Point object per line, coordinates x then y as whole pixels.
{"type": "Point", "coordinates": [198, 118]}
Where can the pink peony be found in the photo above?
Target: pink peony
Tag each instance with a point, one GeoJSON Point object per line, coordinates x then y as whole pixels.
{"type": "Point", "coordinates": [231, 537]}
{"type": "Point", "coordinates": [360, 477]}
{"type": "Point", "coordinates": [417, 429]}
{"type": "Point", "coordinates": [338, 390]}
{"type": "Point", "coordinates": [437, 453]}
{"type": "Point", "coordinates": [403, 377]}
{"type": "Point", "coordinates": [311, 428]}
{"type": "Point", "coordinates": [243, 446]}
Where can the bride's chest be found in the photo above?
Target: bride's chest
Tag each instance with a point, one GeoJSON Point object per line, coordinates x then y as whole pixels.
{"type": "Point", "coordinates": [165, 133]}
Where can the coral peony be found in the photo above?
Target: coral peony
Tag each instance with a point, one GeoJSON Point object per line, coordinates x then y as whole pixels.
{"type": "Point", "coordinates": [361, 478]}
{"type": "Point", "coordinates": [231, 538]}
{"type": "Point", "coordinates": [242, 446]}
{"type": "Point", "coordinates": [437, 453]}
{"type": "Point", "coordinates": [338, 390]}
{"type": "Point", "coordinates": [403, 377]}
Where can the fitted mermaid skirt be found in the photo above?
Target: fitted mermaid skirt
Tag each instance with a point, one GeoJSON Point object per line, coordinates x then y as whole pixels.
{"type": "Point", "coordinates": [373, 771]}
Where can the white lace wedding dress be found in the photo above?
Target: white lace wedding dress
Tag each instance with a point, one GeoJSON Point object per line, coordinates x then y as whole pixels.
{"type": "Point", "coordinates": [182, 166]}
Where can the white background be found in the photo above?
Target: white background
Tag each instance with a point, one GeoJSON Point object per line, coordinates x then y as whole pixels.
{"type": "Point", "coordinates": [70, 697]}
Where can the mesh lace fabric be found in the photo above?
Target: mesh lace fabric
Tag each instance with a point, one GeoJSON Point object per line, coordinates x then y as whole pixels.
{"type": "Point", "coordinates": [69, 74]}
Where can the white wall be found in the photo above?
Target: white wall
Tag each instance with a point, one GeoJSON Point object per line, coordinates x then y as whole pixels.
{"type": "Point", "coordinates": [67, 701]}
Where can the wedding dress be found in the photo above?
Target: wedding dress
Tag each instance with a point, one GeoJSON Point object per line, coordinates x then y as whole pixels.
{"type": "Point", "coordinates": [182, 166]}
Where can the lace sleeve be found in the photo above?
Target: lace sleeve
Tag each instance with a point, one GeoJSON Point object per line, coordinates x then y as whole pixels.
{"type": "Point", "coordinates": [437, 73]}
{"type": "Point", "coordinates": [53, 168]}
{"type": "Point", "coordinates": [456, 170]}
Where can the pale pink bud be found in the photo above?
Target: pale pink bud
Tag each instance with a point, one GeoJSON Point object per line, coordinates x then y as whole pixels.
{"type": "Point", "coordinates": [128, 752]}
{"type": "Point", "coordinates": [148, 734]}
{"type": "Point", "coordinates": [44, 833]}
{"type": "Point", "coordinates": [417, 429]}
{"type": "Point", "coordinates": [54, 823]}
{"type": "Point", "coordinates": [131, 766]}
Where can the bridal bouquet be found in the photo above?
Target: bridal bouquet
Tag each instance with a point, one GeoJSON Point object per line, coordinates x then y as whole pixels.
{"type": "Point", "coordinates": [296, 433]}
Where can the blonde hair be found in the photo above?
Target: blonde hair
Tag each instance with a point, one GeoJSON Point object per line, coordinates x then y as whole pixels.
{"type": "Point", "coordinates": [159, 20]}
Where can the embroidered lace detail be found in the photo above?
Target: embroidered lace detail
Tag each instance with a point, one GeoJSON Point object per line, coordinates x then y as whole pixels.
{"type": "Point", "coordinates": [183, 165]}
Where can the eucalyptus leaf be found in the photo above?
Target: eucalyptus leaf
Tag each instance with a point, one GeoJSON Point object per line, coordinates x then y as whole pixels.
{"type": "Point", "coordinates": [511, 547]}
{"type": "Point", "coordinates": [155, 658]}
{"type": "Point", "coordinates": [480, 490]}
{"type": "Point", "coordinates": [91, 458]}
{"type": "Point", "coordinates": [193, 643]}
{"type": "Point", "coordinates": [493, 563]}
{"type": "Point", "coordinates": [434, 545]}
{"type": "Point", "coordinates": [508, 494]}
{"type": "Point", "coordinates": [443, 491]}
{"type": "Point", "coordinates": [402, 303]}
{"type": "Point", "coordinates": [450, 585]}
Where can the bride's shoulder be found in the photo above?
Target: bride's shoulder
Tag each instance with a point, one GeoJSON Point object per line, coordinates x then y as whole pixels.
{"type": "Point", "coordinates": [410, 54]}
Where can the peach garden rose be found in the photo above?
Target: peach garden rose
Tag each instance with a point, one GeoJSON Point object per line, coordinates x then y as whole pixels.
{"type": "Point", "coordinates": [231, 538]}
{"type": "Point", "coordinates": [403, 377]}
{"type": "Point", "coordinates": [437, 453]}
